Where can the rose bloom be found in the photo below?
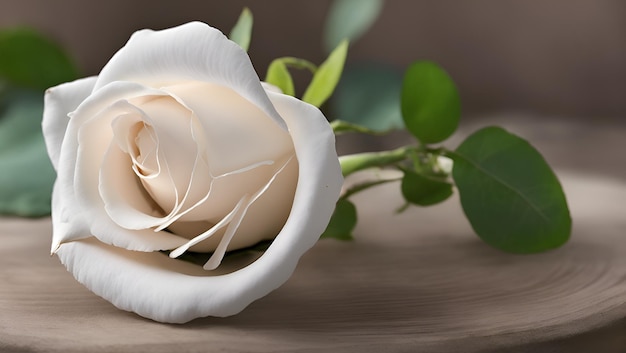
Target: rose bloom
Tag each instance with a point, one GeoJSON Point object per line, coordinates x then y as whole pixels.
{"type": "Point", "coordinates": [177, 145]}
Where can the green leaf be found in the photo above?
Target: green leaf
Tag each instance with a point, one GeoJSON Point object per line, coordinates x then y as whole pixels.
{"type": "Point", "coordinates": [298, 63]}
{"type": "Point", "coordinates": [342, 222]}
{"type": "Point", "coordinates": [32, 61]}
{"type": "Point", "coordinates": [326, 77]}
{"type": "Point", "coordinates": [369, 95]}
{"type": "Point", "coordinates": [242, 31]}
{"type": "Point", "coordinates": [349, 19]}
{"type": "Point", "coordinates": [512, 198]}
{"type": "Point", "coordinates": [424, 190]}
{"type": "Point", "coordinates": [279, 76]}
{"type": "Point", "coordinates": [27, 175]}
{"type": "Point", "coordinates": [431, 107]}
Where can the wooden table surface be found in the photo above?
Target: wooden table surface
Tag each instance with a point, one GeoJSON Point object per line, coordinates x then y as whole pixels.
{"type": "Point", "coordinates": [415, 282]}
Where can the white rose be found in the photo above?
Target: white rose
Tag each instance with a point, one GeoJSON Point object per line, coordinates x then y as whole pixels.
{"type": "Point", "coordinates": [176, 145]}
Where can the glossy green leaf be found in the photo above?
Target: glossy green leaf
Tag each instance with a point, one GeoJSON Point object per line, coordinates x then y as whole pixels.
{"type": "Point", "coordinates": [28, 59]}
{"type": "Point", "coordinates": [424, 190]}
{"type": "Point", "coordinates": [27, 175]}
{"type": "Point", "coordinates": [349, 19]}
{"type": "Point", "coordinates": [512, 198]}
{"type": "Point", "coordinates": [327, 76]}
{"type": "Point", "coordinates": [242, 31]}
{"type": "Point", "coordinates": [369, 95]}
{"type": "Point", "coordinates": [342, 222]}
{"type": "Point", "coordinates": [279, 76]}
{"type": "Point", "coordinates": [431, 107]}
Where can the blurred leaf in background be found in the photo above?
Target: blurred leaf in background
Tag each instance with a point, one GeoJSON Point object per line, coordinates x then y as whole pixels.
{"type": "Point", "coordinates": [242, 31]}
{"type": "Point", "coordinates": [349, 19]}
{"type": "Point", "coordinates": [368, 94]}
{"type": "Point", "coordinates": [30, 60]}
{"type": "Point", "coordinates": [29, 63]}
{"type": "Point", "coordinates": [26, 174]}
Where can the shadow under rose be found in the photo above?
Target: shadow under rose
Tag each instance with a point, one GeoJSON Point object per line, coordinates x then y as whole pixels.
{"type": "Point", "coordinates": [412, 288]}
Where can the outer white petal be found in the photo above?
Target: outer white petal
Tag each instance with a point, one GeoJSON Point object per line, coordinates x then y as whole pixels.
{"type": "Point", "coordinates": [67, 222]}
{"type": "Point", "coordinates": [193, 51]}
{"type": "Point", "coordinates": [168, 290]}
{"type": "Point", "coordinates": [59, 102]}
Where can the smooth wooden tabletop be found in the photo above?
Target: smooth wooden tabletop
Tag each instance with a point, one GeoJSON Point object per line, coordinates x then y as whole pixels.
{"type": "Point", "coordinates": [420, 281]}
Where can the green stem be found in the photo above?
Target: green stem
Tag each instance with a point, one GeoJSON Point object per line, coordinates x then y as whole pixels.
{"type": "Point", "coordinates": [341, 127]}
{"type": "Point", "coordinates": [359, 161]}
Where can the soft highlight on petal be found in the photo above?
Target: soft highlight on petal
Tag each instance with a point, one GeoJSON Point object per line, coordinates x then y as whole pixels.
{"type": "Point", "coordinates": [192, 51]}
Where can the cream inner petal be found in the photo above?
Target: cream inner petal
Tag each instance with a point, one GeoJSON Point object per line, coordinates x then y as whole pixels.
{"type": "Point", "coordinates": [145, 154]}
{"type": "Point", "coordinates": [123, 179]}
{"type": "Point", "coordinates": [170, 139]}
{"type": "Point", "coordinates": [233, 220]}
{"type": "Point", "coordinates": [202, 156]}
{"type": "Point", "coordinates": [136, 137]}
{"type": "Point", "coordinates": [238, 134]}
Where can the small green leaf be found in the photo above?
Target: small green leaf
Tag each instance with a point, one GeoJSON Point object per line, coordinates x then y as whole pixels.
{"type": "Point", "coordinates": [431, 107]}
{"type": "Point", "coordinates": [326, 77]}
{"type": "Point", "coordinates": [242, 31]}
{"type": "Point", "coordinates": [512, 198]}
{"type": "Point", "coordinates": [349, 19]}
{"type": "Point", "coordinates": [342, 222]}
{"type": "Point", "coordinates": [279, 76]}
{"type": "Point", "coordinates": [424, 190]}
{"type": "Point", "coordinates": [369, 95]}
{"type": "Point", "coordinates": [298, 63]}
{"type": "Point", "coordinates": [32, 61]}
{"type": "Point", "coordinates": [27, 175]}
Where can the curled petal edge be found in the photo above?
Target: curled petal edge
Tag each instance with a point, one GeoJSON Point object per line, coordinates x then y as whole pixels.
{"type": "Point", "coordinates": [59, 102]}
{"type": "Point", "coordinates": [192, 51]}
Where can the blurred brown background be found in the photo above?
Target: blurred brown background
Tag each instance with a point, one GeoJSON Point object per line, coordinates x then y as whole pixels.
{"type": "Point", "coordinates": [550, 57]}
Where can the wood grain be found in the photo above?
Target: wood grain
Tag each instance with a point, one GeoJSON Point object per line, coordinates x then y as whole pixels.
{"type": "Point", "coordinates": [418, 281]}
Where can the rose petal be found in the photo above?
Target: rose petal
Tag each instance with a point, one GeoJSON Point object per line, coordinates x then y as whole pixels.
{"type": "Point", "coordinates": [173, 125]}
{"type": "Point", "coordinates": [167, 290]}
{"type": "Point", "coordinates": [67, 223]}
{"type": "Point", "coordinates": [77, 188]}
{"type": "Point", "coordinates": [193, 51]}
{"type": "Point", "coordinates": [125, 199]}
{"type": "Point", "coordinates": [59, 102]}
{"type": "Point", "coordinates": [232, 125]}
{"type": "Point", "coordinates": [268, 214]}
{"type": "Point", "coordinates": [220, 251]}
{"type": "Point", "coordinates": [211, 231]}
{"type": "Point", "coordinates": [265, 217]}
